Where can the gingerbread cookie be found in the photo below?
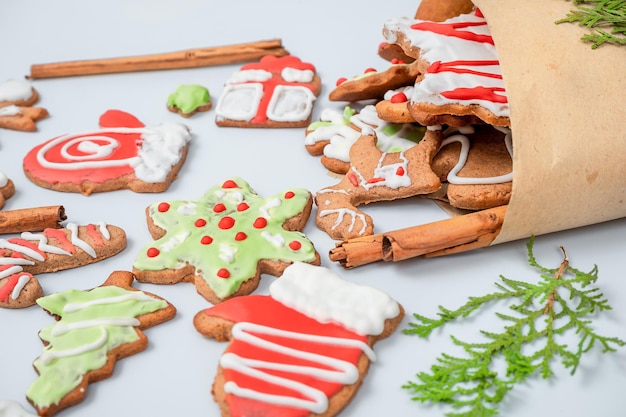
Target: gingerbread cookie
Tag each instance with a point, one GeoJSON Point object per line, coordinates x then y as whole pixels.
{"type": "Point", "coordinates": [122, 154]}
{"type": "Point", "coordinates": [189, 99]}
{"type": "Point", "coordinates": [50, 251]}
{"type": "Point", "coordinates": [334, 134]}
{"type": "Point", "coordinates": [477, 164]}
{"type": "Point", "coordinates": [274, 92]}
{"type": "Point", "coordinates": [462, 80]}
{"type": "Point", "coordinates": [393, 107]}
{"type": "Point", "coordinates": [373, 84]}
{"type": "Point", "coordinates": [7, 189]}
{"type": "Point", "coordinates": [376, 176]}
{"type": "Point", "coordinates": [93, 330]}
{"type": "Point", "coordinates": [225, 240]}
{"type": "Point", "coordinates": [301, 351]}
{"type": "Point", "coordinates": [16, 111]}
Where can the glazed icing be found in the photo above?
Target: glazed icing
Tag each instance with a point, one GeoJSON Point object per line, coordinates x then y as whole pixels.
{"type": "Point", "coordinates": [343, 129]}
{"type": "Point", "coordinates": [96, 322]}
{"type": "Point", "coordinates": [287, 358]}
{"type": "Point", "coordinates": [11, 110]}
{"type": "Point", "coordinates": [275, 88]}
{"type": "Point", "coordinates": [13, 409]}
{"type": "Point", "coordinates": [15, 90]}
{"type": "Point", "coordinates": [111, 152]}
{"type": "Point", "coordinates": [464, 66]}
{"type": "Point", "coordinates": [36, 246]}
{"type": "Point", "coordinates": [225, 233]}
{"type": "Point", "coordinates": [189, 97]}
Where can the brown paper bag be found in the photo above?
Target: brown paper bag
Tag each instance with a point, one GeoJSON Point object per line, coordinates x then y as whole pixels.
{"type": "Point", "coordinates": [568, 118]}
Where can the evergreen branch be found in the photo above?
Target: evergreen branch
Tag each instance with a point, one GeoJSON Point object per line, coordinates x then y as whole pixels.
{"type": "Point", "coordinates": [469, 384]}
{"type": "Point", "coordinates": [609, 14]}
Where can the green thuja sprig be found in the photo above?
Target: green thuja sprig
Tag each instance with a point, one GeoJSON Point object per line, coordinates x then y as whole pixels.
{"type": "Point", "coordinates": [606, 20]}
{"type": "Point", "coordinates": [541, 315]}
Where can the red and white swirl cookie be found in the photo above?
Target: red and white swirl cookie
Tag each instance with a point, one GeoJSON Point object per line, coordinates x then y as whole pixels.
{"type": "Point", "coordinates": [49, 251]}
{"type": "Point", "coordinates": [122, 154]}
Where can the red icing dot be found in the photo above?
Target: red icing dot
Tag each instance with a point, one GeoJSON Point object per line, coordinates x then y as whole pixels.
{"type": "Point", "coordinates": [206, 240]}
{"type": "Point", "coordinates": [223, 273]}
{"type": "Point", "coordinates": [370, 70]}
{"type": "Point", "coordinates": [240, 236]}
{"type": "Point", "coordinates": [260, 223]}
{"type": "Point", "coordinates": [153, 252]}
{"type": "Point", "coordinates": [341, 81]}
{"type": "Point", "coordinates": [295, 245]}
{"type": "Point", "coordinates": [230, 184]}
{"type": "Point", "coordinates": [399, 98]}
{"type": "Point", "coordinates": [226, 223]}
{"type": "Point", "coordinates": [163, 207]}
{"type": "Point", "coordinates": [352, 178]}
{"type": "Point", "coordinates": [400, 171]}
{"type": "Point", "coordinates": [243, 206]}
{"type": "Point", "coordinates": [219, 207]}
{"type": "Point", "coordinates": [200, 223]}
{"type": "Point", "coordinates": [290, 194]}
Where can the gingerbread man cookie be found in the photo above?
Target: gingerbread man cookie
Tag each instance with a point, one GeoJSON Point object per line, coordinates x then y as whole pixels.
{"type": "Point", "coordinates": [49, 251]}
{"type": "Point", "coordinates": [225, 240]}
{"type": "Point", "coordinates": [274, 92]}
{"type": "Point", "coordinates": [376, 176]}
{"type": "Point", "coordinates": [16, 111]}
{"type": "Point", "coordinates": [122, 154]}
{"type": "Point", "coordinates": [301, 351]}
{"type": "Point", "coordinates": [92, 331]}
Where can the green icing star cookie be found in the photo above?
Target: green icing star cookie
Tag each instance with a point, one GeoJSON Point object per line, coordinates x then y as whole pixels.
{"type": "Point", "coordinates": [189, 99]}
{"type": "Point", "coordinates": [224, 241]}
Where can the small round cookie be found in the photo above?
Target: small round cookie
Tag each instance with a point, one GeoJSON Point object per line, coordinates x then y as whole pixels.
{"type": "Point", "coordinates": [189, 99]}
{"type": "Point", "coordinates": [373, 84]}
{"type": "Point", "coordinates": [7, 189]}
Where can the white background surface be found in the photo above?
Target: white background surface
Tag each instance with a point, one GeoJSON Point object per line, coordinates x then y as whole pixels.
{"type": "Point", "coordinates": [174, 375]}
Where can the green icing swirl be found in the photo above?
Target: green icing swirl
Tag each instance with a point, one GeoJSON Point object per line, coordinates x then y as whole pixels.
{"type": "Point", "coordinates": [61, 368]}
{"type": "Point", "coordinates": [182, 244]}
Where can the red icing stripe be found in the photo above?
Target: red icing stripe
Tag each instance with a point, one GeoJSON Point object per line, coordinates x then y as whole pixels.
{"type": "Point", "coordinates": [9, 285]}
{"type": "Point", "coordinates": [451, 29]}
{"type": "Point", "coordinates": [95, 234]}
{"type": "Point", "coordinates": [61, 237]}
{"type": "Point", "coordinates": [27, 244]}
{"type": "Point", "coordinates": [476, 93]}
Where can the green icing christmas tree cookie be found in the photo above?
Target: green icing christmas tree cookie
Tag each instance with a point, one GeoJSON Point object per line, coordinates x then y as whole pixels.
{"type": "Point", "coordinates": [225, 240]}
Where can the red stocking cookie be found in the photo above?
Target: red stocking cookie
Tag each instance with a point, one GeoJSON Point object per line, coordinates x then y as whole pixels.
{"type": "Point", "coordinates": [301, 351]}
{"type": "Point", "coordinates": [93, 330]}
{"type": "Point", "coordinates": [225, 240]}
{"type": "Point", "coordinates": [123, 154]}
{"type": "Point", "coordinates": [50, 251]}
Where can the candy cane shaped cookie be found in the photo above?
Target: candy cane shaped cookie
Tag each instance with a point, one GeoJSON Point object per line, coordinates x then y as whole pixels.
{"type": "Point", "coordinates": [49, 251]}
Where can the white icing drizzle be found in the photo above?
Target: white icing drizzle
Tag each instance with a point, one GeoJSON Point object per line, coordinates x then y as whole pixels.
{"type": "Point", "coordinates": [341, 213]}
{"type": "Point", "coordinates": [160, 149]}
{"type": "Point", "coordinates": [132, 295]}
{"type": "Point", "coordinates": [43, 244]}
{"type": "Point", "coordinates": [239, 102]}
{"type": "Point", "coordinates": [453, 177]}
{"type": "Point", "coordinates": [12, 270]}
{"type": "Point", "coordinates": [275, 240]}
{"type": "Point", "coordinates": [187, 208]}
{"type": "Point", "coordinates": [5, 244]}
{"type": "Point", "coordinates": [174, 241]}
{"type": "Point", "coordinates": [227, 252]}
{"type": "Point", "coordinates": [13, 409]}
{"type": "Point", "coordinates": [246, 76]}
{"type": "Point", "coordinates": [62, 328]}
{"type": "Point", "coordinates": [104, 231]}
{"type": "Point", "coordinates": [270, 204]}
{"type": "Point", "coordinates": [393, 175]}
{"type": "Point", "coordinates": [48, 355]}
{"type": "Point", "coordinates": [21, 283]}
{"type": "Point", "coordinates": [340, 372]}
{"type": "Point", "coordinates": [294, 75]}
{"type": "Point", "coordinates": [76, 241]}
{"type": "Point", "coordinates": [290, 103]}
{"type": "Point", "coordinates": [11, 110]}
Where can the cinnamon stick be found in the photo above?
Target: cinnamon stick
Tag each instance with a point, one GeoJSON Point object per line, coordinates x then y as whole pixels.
{"type": "Point", "coordinates": [190, 58]}
{"type": "Point", "coordinates": [31, 219]}
{"type": "Point", "coordinates": [453, 235]}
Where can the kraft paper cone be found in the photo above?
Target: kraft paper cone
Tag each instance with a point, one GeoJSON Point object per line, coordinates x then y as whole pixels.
{"type": "Point", "coordinates": [568, 118]}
